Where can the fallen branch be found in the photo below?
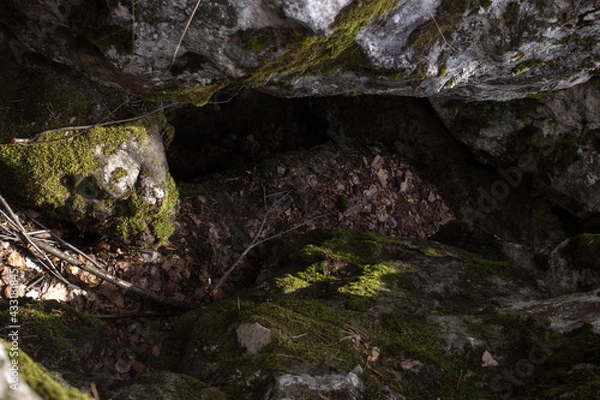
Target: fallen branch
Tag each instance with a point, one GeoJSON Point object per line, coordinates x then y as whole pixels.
{"type": "Point", "coordinates": [255, 242]}
{"type": "Point", "coordinates": [28, 141]}
{"type": "Point", "coordinates": [89, 265]}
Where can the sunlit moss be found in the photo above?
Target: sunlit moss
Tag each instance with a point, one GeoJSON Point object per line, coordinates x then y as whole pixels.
{"type": "Point", "coordinates": [310, 54]}
{"type": "Point", "coordinates": [524, 66]}
{"type": "Point", "coordinates": [58, 174]}
{"type": "Point", "coordinates": [43, 383]}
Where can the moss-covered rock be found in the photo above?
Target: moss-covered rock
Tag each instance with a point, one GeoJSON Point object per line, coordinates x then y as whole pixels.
{"type": "Point", "coordinates": [109, 177]}
{"type": "Point", "coordinates": [34, 377]}
{"type": "Point", "coordinates": [114, 178]}
{"type": "Point", "coordinates": [59, 339]}
{"type": "Point", "coordinates": [574, 265]}
{"type": "Point", "coordinates": [357, 315]}
{"type": "Point", "coordinates": [338, 299]}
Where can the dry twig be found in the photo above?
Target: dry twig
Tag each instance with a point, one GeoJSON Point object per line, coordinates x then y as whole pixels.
{"type": "Point", "coordinates": [184, 32]}
{"type": "Point", "coordinates": [28, 141]}
{"type": "Point", "coordinates": [255, 241]}
{"type": "Point", "coordinates": [22, 234]}
{"type": "Point", "coordinates": [43, 247]}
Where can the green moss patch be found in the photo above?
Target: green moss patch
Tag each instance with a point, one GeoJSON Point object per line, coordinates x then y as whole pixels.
{"type": "Point", "coordinates": [525, 66]}
{"type": "Point", "coordinates": [341, 298]}
{"type": "Point", "coordinates": [308, 54]}
{"type": "Point", "coordinates": [58, 175]}
{"type": "Point", "coordinates": [56, 331]}
{"type": "Point", "coordinates": [324, 339]}
{"type": "Point", "coordinates": [135, 215]}
{"type": "Point", "coordinates": [357, 267]}
{"type": "Point", "coordinates": [43, 383]}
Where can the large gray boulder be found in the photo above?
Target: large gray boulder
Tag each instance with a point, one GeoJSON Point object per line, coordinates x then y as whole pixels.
{"type": "Point", "coordinates": [189, 49]}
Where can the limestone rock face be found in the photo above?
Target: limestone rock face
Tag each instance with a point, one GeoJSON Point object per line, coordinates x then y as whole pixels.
{"type": "Point", "coordinates": [188, 49]}
{"type": "Point", "coordinates": [554, 139]}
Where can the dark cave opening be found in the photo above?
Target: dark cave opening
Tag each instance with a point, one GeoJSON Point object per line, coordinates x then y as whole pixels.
{"type": "Point", "coordinates": [241, 129]}
{"type": "Point", "coordinates": [245, 129]}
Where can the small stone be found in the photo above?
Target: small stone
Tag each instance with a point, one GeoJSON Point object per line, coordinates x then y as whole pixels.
{"type": "Point", "coordinates": [253, 337]}
{"type": "Point", "coordinates": [488, 361]}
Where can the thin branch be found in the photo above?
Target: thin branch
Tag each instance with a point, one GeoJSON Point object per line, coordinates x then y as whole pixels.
{"type": "Point", "coordinates": [255, 242]}
{"type": "Point", "coordinates": [440, 31]}
{"type": "Point", "coordinates": [184, 32]}
{"type": "Point", "coordinates": [252, 244]}
{"type": "Point", "coordinates": [27, 141]}
{"type": "Point", "coordinates": [13, 219]}
{"type": "Point", "coordinates": [89, 266]}
{"type": "Point", "coordinates": [63, 242]}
